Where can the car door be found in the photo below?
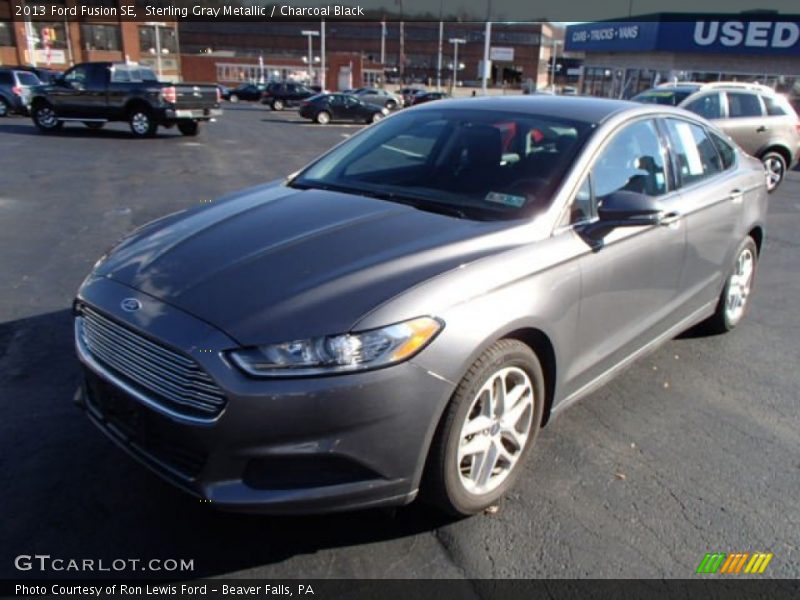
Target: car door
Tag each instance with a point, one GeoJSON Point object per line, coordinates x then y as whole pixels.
{"type": "Point", "coordinates": [68, 94]}
{"type": "Point", "coordinates": [630, 276]}
{"type": "Point", "coordinates": [744, 121]}
{"type": "Point", "coordinates": [712, 193]}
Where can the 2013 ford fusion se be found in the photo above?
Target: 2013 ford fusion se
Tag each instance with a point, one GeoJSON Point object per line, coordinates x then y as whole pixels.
{"type": "Point", "coordinates": [404, 314]}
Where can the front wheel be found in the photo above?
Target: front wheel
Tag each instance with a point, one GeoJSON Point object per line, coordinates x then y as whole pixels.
{"type": "Point", "coordinates": [189, 128]}
{"type": "Point", "coordinates": [734, 301]}
{"type": "Point", "coordinates": [44, 117]}
{"type": "Point", "coordinates": [277, 105]}
{"type": "Point", "coordinates": [774, 169]}
{"type": "Point", "coordinates": [376, 117]}
{"type": "Point", "coordinates": [323, 118]}
{"type": "Point", "coordinates": [234, 98]}
{"type": "Point", "coordinates": [141, 123]}
{"type": "Point", "coordinates": [487, 430]}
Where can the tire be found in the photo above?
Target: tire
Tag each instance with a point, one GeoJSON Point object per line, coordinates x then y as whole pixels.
{"type": "Point", "coordinates": [391, 105]}
{"type": "Point", "coordinates": [323, 117]}
{"type": "Point", "coordinates": [44, 117]}
{"type": "Point", "coordinates": [234, 98]}
{"type": "Point", "coordinates": [189, 128]}
{"type": "Point", "coordinates": [277, 105]}
{"type": "Point", "coordinates": [142, 123]}
{"type": "Point", "coordinates": [94, 125]}
{"type": "Point", "coordinates": [449, 482]}
{"type": "Point", "coordinates": [775, 169]}
{"type": "Point", "coordinates": [738, 288]}
{"type": "Point", "coordinates": [5, 108]}
{"type": "Point", "coordinates": [376, 117]}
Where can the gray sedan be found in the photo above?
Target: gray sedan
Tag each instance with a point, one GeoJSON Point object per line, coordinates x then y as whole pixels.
{"type": "Point", "coordinates": [402, 316]}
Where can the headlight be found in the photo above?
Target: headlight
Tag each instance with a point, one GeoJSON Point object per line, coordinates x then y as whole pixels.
{"type": "Point", "coordinates": [339, 353]}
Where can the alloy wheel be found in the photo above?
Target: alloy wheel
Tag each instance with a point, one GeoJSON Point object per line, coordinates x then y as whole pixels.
{"type": "Point", "coordinates": [739, 286]}
{"type": "Point", "coordinates": [774, 170]}
{"type": "Point", "coordinates": [140, 123]}
{"type": "Point", "coordinates": [46, 117]}
{"type": "Point", "coordinates": [494, 434]}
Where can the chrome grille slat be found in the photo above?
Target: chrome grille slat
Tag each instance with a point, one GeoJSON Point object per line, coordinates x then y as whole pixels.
{"type": "Point", "coordinates": [179, 383]}
{"type": "Point", "coordinates": [162, 369]}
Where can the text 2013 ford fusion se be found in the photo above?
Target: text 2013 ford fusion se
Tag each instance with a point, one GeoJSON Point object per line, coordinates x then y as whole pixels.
{"type": "Point", "coordinates": [402, 316]}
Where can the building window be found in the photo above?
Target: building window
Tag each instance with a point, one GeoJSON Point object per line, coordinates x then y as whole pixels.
{"type": "Point", "coordinates": [52, 33]}
{"type": "Point", "coordinates": [150, 40]}
{"type": "Point", "coordinates": [100, 37]}
{"type": "Point", "coordinates": [5, 34]}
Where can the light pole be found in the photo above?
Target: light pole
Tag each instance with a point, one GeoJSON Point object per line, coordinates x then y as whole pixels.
{"type": "Point", "coordinates": [487, 39]}
{"type": "Point", "coordinates": [556, 43]}
{"type": "Point", "coordinates": [456, 42]}
{"type": "Point", "coordinates": [323, 68]}
{"type": "Point", "coordinates": [310, 34]}
{"type": "Point", "coordinates": [439, 57]}
{"type": "Point", "coordinates": [157, 34]}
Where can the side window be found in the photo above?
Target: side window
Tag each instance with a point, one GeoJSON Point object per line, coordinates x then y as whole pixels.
{"type": "Point", "coordinates": [726, 151]}
{"type": "Point", "coordinates": [741, 105]}
{"type": "Point", "coordinates": [694, 151]}
{"type": "Point", "coordinates": [774, 107]}
{"type": "Point", "coordinates": [633, 162]}
{"type": "Point", "coordinates": [97, 75]}
{"type": "Point", "coordinates": [77, 74]}
{"type": "Point", "coordinates": [708, 106]}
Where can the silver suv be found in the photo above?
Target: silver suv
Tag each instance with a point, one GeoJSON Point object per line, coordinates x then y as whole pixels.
{"type": "Point", "coordinates": [757, 118]}
{"type": "Point", "coordinates": [15, 91]}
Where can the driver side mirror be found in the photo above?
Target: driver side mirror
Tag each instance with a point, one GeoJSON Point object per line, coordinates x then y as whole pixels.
{"type": "Point", "coordinates": [629, 209]}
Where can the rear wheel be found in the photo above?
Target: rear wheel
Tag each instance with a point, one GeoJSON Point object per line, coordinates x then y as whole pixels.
{"type": "Point", "coordinates": [735, 298]}
{"type": "Point", "coordinates": [94, 125]}
{"type": "Point", "coordinates": [323, 118]}
{"type": "Point", "coordinates": [775, 169]}
{"type": "Point", "coordinates": [189, 128]}
{"type": "Point", "coordinates": [141, 122]}
{"type": "Point", "coordinates": [277, 105]}
{"type": "Point", "coordinates": [234, 98]}
{"type": "Point", "coordinates": [487, 430]}
{"type": "Point", "coordinates": [376, 117]}
{"type": "Point", "coordinates": [4, 107]}
{"type": "Point", "coordinates": [44, 117]}
{"type": "Point", "coordinates": [391, 105]}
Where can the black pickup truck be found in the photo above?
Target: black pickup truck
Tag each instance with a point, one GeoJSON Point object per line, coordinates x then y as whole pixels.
{"type": "Point", "coordinates": [98, 92]}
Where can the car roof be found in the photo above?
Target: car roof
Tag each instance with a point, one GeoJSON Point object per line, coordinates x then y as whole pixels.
{"type": "Point", "coordinates": [581, 108]}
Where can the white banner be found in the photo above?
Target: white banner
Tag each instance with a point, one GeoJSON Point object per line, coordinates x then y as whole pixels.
{"type": "Point", "coordinates": [501, 53]}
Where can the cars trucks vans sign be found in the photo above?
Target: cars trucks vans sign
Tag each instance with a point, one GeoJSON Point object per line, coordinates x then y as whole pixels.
{"type": "Point", "coordinates": [780, 37]}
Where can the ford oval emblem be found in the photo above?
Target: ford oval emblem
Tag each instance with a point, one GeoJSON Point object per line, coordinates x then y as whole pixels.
{"type": "Point", "coordinates": [130, 305]}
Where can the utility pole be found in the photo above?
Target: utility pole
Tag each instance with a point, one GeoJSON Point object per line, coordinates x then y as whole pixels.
{"type": "Point", "coordinates": [439, 57]}
{"type": "Point", "coordinates": [322, 67]}
{"type": "Point", "coordinates": [487, 37]}
{"type": "Point", "coordinates": [383, 42]}
{"type": "Point", "coordinates": [310, 33]}
{"type": "Point", "coordinates": [456, 42]}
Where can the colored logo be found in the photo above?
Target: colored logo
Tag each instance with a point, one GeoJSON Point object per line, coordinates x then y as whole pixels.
{"type": "Point", "coordinates": [734, 563]}
{"type": "Point", "coordinates": [130, 305]}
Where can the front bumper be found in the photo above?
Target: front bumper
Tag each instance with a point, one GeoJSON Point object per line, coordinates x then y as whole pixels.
{"type": "Point", "coordinates": [279, 446]}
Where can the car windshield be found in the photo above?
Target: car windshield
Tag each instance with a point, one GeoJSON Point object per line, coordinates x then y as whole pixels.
{"type": "Point", "coordinates": [668, 97]}
{"type": "Point", "coordinates": [475, 164]}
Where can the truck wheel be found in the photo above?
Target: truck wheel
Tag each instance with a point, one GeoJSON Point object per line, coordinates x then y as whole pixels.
{"type": "Point", "coordinates": [189, 128]}
{"type": "Point", "coordinates": [4, 108]}
{"type": "Point", "coordinates": [94, 125]}
{"type": "Point", "coordinates": [323, 118]}
{"type": "Point", "coordinates": [44, 117]}
{"type": "Point", "coordinates": [277, 105]}
{"type": "Point", "coordinates": [142, 123]}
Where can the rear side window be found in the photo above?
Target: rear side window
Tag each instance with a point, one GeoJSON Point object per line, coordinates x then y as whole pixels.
{"type": "Point", "coordinates": [775, 108]}
{"type": "Point", "coordinates": [694, 151]}
{"type": "Point", "coordinates": [26, 78]}
{"type": "Point", "coordinates": [708, 106]}
{"type": "Point", "coordinates": [726, 152]}
{"type": "Point", "coordinates": [743, 105]}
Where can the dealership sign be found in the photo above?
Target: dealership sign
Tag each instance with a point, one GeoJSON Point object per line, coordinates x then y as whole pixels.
{"type": "Point", "coordinates": [501, 53]}
{"type": "Point", "coordinates": [722, 36]}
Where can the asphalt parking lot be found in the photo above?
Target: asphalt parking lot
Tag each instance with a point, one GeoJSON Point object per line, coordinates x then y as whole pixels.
{"type": "Point", "coordinates": [695, 449]}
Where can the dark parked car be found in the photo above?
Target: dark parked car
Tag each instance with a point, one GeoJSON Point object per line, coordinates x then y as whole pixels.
{"type": "Point", "coordinates": [280, 95]}
{"type": "Point", "coordinates": [404, 314]}
{"type": "Point", "coordinates": [98, 92]}
{"type": "Point", "coordinates": [251, 92]}
{"type": "Point", "coordinates": [325, 108]}
{"type": "Point", "coordinates": [761, 121]}
{"type": "Point", "coordinates": [408, 93]}
{"type": "Point", "coordinates": [15, 91]}
{"type": "Point", "coordinates": [428, 97]}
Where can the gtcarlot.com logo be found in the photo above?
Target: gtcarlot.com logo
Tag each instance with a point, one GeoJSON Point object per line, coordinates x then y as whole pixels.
{"type": "Point", "coordinates": [45, 563]}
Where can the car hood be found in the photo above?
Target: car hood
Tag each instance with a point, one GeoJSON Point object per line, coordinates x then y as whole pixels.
{"type": "Point", "coordinates": [278, 263]}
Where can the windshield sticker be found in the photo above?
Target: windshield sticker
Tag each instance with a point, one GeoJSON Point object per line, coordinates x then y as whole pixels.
{"type": "Point", "coordinates": [506, 199]}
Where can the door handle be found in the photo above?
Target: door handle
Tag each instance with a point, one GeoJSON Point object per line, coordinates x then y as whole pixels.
{"type": "Point", "coordinates": [735, 196]}
{"type": "Point", "coordinates": [762, 129]}
{"type": "Point", "coordinates": [669, 219]}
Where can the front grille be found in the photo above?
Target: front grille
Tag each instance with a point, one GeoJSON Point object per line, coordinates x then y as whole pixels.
{"type": "Point", "coordinates": [178, 382]}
